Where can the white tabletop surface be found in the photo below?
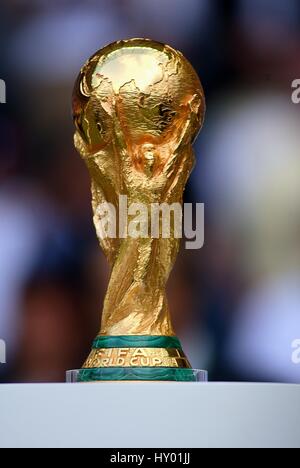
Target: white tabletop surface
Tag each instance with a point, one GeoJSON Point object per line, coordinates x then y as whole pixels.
{"type": "Point", "coordinates": [156, 415]}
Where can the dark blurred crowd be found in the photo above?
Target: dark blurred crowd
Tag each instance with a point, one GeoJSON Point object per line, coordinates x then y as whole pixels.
{"type": "Point", "coordinates": [236, 302]}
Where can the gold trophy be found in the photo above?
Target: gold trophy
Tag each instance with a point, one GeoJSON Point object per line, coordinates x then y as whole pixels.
{"type": "Point", "coordinates": [138, 105]}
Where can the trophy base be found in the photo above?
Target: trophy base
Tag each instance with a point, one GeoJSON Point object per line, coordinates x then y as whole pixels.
{"type": "Point", "coordinates": [149, 374]}
{"type": "Point", "coordinates": [137, 358]}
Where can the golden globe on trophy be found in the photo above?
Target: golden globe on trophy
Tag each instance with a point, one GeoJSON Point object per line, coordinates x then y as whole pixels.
{"type": "Point", "coordinates": [138, 106]}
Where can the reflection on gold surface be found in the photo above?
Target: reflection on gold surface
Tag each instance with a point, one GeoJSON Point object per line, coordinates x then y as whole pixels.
{"type": "Point", "coordinates": [124, 65]}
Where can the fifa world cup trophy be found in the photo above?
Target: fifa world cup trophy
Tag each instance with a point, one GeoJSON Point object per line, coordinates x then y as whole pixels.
{"type": "Point", "coordinates": [138, 105]}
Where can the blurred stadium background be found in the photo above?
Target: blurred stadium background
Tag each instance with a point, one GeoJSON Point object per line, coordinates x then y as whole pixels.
{"type": "Point", "coordinates": [236, 302]}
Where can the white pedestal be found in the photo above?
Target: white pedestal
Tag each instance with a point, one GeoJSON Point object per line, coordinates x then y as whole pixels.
{"type": "Point", "coordinates": [156, 415]}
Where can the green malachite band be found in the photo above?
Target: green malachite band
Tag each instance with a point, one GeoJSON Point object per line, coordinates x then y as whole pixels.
{"type": "Point", "coordinates": [136, 373]}
{"type": "Point", "coordinates": [136, 341]}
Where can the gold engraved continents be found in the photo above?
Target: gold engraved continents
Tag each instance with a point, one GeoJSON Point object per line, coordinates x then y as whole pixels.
{"type": "Point", "coordinates": [138, 105]}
